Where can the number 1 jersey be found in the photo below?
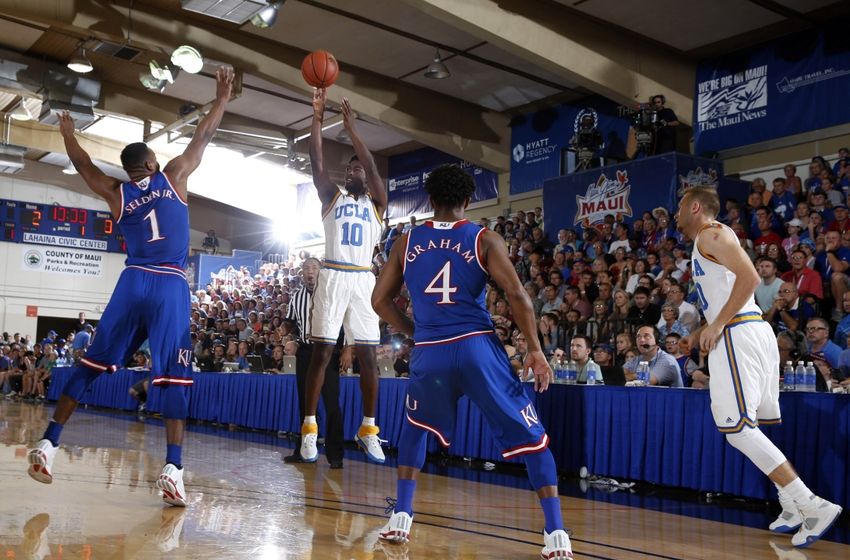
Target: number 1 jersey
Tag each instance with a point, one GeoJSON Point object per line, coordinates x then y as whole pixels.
{"type": "Point", "coordinates": [446, 281]}
{"type": "Point", "coordinates": [154, 221]}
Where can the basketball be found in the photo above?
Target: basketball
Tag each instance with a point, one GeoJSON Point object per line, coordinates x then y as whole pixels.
{"type": "Point", "coordinates": [320, 69]}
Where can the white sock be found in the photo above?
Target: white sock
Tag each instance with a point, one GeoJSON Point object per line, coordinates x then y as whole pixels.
{"type": "Point", "coordinates": [800, 493]}
{"type": "Point", "coordinates": [310, 419]}
{"type": "Point", "coordinates": [785, 500]}
{"type": "Point", "coordinates": [368, 421]}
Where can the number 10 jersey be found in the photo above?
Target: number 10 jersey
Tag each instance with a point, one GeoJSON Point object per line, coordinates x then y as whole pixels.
{"type": "Point", "coordinates": [352, 229]}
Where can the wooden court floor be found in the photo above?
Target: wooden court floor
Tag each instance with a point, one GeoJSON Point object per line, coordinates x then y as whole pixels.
{"type": "Point", "coordinates": [246, 503]}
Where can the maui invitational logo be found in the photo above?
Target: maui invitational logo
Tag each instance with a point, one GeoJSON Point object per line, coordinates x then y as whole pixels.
{"type": "Point", "coordinates": [605, 196]}
{"type": "Point", "coordinates": [698, 178]}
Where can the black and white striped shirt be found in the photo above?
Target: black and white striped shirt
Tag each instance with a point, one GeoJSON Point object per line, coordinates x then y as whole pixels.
{"type": "Point", "coordinates": [299, 313]}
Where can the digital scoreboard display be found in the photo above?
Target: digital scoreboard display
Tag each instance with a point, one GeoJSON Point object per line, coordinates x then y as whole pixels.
{"type": "Point", "coordinates": [52, 224]}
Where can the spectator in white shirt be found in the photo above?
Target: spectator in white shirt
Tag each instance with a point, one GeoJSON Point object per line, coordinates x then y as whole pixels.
{"type": "Point", "coordinates": [768, 290]}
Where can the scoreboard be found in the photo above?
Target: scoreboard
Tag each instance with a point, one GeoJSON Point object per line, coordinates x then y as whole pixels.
{"type": "Point", "coordinates": [52, 224]}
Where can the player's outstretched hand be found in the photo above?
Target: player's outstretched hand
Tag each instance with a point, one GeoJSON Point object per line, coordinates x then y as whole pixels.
{"type": "Point", "coordinates": [224, 82]}
{"type": "Point", "coordinates": [348, 115]}
{"type": "Point", "coordinates": [536, 362]}
{"type": "Point", "coordinates": [66, 124]}
{"type": "Point", "coordinates": [320, 97]}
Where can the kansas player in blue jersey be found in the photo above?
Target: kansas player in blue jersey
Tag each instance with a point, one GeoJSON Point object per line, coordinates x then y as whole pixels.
{"type": "Point", "coordinates": [446, 264]}
{"type": "Point", "coordinates": [151, 299]}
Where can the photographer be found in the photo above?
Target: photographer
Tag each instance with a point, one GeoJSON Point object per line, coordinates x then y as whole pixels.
{"type": "Point", "coordinates": [666, 122]}
{"type": "Point", "coordinates": [587, 141]}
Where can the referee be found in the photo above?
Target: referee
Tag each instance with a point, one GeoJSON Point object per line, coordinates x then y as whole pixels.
{"type": "Point", "coordinates": [299, 315]}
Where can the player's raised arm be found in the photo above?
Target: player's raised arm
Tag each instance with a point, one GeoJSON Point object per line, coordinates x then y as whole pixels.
{"type": "Point", "coordinates": [377, 189]}
{"type": "Point", "coordinates": [723, 246]}
{"type": "Point", "coordinates": [388, 287]}
{"type": "Point", "coordinates": [503, 272]}
{"type": "Point", "coordinates": [99, 182]}
{"type": "Point", "coordinates": [179, 168]}
{"type": "Point", "coordinates": [327, 188]}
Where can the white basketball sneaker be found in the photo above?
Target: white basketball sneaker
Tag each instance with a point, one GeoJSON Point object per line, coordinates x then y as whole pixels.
{"type": "Point", "coordinates": [817, 520]}
{"type": "Point", "coordinates": [397, 528]}
{"type": "Point", "coordinates": [367, 438]}
{"type": "Point", "coordinates": [170, 481]}
{"type": "Point", "coordinates": [40, 459]}
{"type": "Point", "coordinates": [788, 520]}
{"type": "Point", "coordinates": [309, 441]}
{"type": "Point", "coordinates": [556, 545]}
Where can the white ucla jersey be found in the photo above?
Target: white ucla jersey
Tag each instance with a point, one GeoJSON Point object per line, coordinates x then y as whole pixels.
{"type": "Point", "coordinates": [352, 229]}
{"type": "Point", "coordinates": [714, 281]}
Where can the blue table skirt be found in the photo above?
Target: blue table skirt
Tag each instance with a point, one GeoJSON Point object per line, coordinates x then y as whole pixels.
{"type": "Point", "coordinates": [661, 436]}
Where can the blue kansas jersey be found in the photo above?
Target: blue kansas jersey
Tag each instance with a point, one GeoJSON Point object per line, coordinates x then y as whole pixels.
{"type": "Point", "coordinates": [446, 281]}
{"type": "Point", "coordinates": [155, 223]}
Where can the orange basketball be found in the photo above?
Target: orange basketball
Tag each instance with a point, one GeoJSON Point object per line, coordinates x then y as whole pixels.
{"type": "Point", "coordinates": [320, 69]}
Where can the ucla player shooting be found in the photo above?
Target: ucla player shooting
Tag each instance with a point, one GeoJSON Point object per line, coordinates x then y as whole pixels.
{"type": "Point", "coordinates": [151, 299]}
{"type": "Point", "coordinates": [352, 219]}
{"type": "Point", "coordinates": [445, 264]}
{"type": "Point", "coordinates": [743, 358]}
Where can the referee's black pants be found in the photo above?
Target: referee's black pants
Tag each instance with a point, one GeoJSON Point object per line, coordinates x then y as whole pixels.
{"type": "Point", "coordinates": [330, 396]}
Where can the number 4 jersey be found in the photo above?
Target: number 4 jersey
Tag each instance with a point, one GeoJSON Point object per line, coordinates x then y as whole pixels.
{"type": "Point", "coordinates": [447, 281]}
{"type": "Point", "coordinates": [154, 221]}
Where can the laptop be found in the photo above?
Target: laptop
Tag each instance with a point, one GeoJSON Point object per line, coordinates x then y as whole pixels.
{"type": "Point", "coordinates": [255, 363]}
{"type": "Point", "coordinates": [229, 367]}
{"type": "Point", "coordinates": [613, 375]}
{"type": "Point", "coordinates": [386, 368]}
{"type": "Point", "coordinates": [289, 364]}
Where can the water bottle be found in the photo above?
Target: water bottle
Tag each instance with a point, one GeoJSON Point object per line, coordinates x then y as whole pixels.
{"type": "Point", "coordinates": [644, 373]}
{"type": "Point", "coordinates": [592, 372]}
{"type": "Point", "coordinates": [788, 376]}
{"type": "Point", "coordinates": [811, 378]}
{"type": "Point", "coordinates": [560, 372]}
{"type": "Point", "coordinates": [800, 376]}
{"type": "Point", "coordinates": [572, 374]}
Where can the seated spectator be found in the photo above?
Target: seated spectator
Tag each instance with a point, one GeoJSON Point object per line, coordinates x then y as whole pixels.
{"type": "Point", "coordinates": [833, 263]}
{"type": "Point", "coordinates": [777, 253]}
{"type": "Point", "coordinates": [791, 348]}
{"type": "Point", "coordinates": [682, 353]}
{"type": "Point", "coordinates": [623, 342]}
{"type": "Point", "coordinates": [688, 314]}
{"type": "Point", "coordinates": [792, 182]}
{"type": "Point", "coordinates": [580, 348]}
{"type": "Point", "coordinates": [504, 337]}
{"type": "Point", "coordinates": [790, 242]}
{"type": "Point", "coordinates": [551, 301]}
{"type": "Point", "coordinates": [806, 280]}
{"type": "Point", "coordinates": [547, 332]}
{"type": "Point", "coordinates": [768, 289]}
{"type": "Point", "coordinates": [670, 323]}
{"type": "Point", "coordinates": [572, 300]}
{"type": "Point", "coordinates": [210, 244]}
{"type": "Point", "coordinates": [820, 348]}
{"type": "Point", "coordinates": [781, 201]}
{"type": "Point", "coordinates": [603, 355]}
{"type": "Point", "coordinates": [518, 359]}
{"type": "Point", "coordinates": [789, 311]}
{"type": "Point", "coordinates": [402, 359]}
{"type": "Point", "coordinates": [663, 367]}
{"type": "Point", "coordinates": [842, 330]}
{"type": "Point", "coordinates": [643, 312]}
{"type": "Point", "coordinates": [833, 196]}
{"type": "Point", "coordinates": [841, 223]}
{"type": "Point", "coordinates": [599, 326]}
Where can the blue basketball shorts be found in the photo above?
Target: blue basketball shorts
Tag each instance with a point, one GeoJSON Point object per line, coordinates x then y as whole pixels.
{"type": "Point", "coordinates": [478, 368]}
{"type": "Point", "coordinates": [148, 303]}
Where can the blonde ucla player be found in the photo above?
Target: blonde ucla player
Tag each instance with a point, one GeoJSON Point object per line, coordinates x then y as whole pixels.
{"type": "Point", "coordinates": [353, 220]}
{"type": "Point", "coordinates": [744, 362]}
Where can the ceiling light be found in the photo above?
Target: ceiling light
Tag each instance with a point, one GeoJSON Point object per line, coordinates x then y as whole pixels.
{"type": "Point", "coordinates": [188, 58]}
{"type": "Point", "coordinates": [21, 113]}
{"type": "Point", "coordinates": [69, 169]}
{"type": "Point", "coordinates": [268, 15]}
{"type": "Point", "coordinates": [437, 70]}
{"type": "Point", "coordinates": [162, 72]}
{"type": "Point", "coordinates": [152, 83]}
{"type": "Point", "coordinates": [79, 63]}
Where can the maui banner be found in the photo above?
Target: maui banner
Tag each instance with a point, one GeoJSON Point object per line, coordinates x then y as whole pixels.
{"type": "Point", "coordinates": [626, 190]}
{"type": "Point", "coordinates": [788, 86]}
{"type": "Point", "coordinates": [539, 141]}
{"type": "Point", "coordinates": [406, 183]}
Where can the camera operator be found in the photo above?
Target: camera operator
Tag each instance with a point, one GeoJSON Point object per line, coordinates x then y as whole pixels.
{"type": "Point", "coordinates": [666, 121]}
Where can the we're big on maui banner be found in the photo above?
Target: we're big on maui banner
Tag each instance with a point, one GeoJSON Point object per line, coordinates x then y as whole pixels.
{"type": "Point", "coordinates": [624, 190]}
{"type": "Point", "coordinates": [406, 181]}
{"type": "Point", "coordinates": [791, 85]}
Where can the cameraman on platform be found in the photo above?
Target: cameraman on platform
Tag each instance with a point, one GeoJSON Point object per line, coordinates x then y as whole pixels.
{"type": "Point", "coordinates": [666, 121]}
{"type": "Point", "coordinates": [587, 141]}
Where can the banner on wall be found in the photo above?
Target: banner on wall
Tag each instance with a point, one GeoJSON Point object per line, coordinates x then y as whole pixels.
{"type": "Point", "coordinates": [788, 86]}
{"type": "Point", "coordinates": [539, 140]}
{"type": "Point", "coordinates": [406, 181]}
{"type": "Point", "coordinates": [55, 260]}
{"type": "Point", "coordinates": [626, 190]}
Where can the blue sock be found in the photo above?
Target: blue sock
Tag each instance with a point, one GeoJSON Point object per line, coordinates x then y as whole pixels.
{"type": "Point", "coordinates": [405, 489]}
{"type": "Point", "coordinates": [552, 513]}
{"type": "Point", "coordinates": [52, 433]}
{"type": "Point", "coordinates": [174, 455]}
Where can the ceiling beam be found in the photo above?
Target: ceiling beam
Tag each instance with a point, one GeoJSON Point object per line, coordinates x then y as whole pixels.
{"type": "Point", "coordinates": [594, 56]}
{"type": "Point", "coordinates": [448, 124]}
